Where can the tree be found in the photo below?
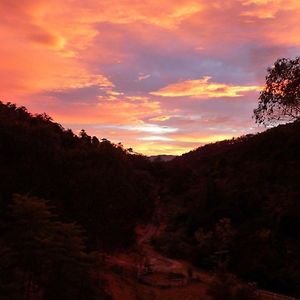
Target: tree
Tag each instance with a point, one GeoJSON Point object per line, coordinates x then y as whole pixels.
{"type": "Point", "coordinates": [50, 255]}
{"type": "Point", "coordinates": [218, 242]}
{"type": "Point", "coordinates": [227, 287]}
{"type": "Point", "coordinates": [280, 98]}
{"type": "Point", "coordinates": [10, 277]}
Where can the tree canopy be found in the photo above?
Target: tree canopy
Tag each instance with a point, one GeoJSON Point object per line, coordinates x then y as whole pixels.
{"type": "Point", "coordinates": [42, 257]}
{"type": "Point", "coordinates": [280, 98]}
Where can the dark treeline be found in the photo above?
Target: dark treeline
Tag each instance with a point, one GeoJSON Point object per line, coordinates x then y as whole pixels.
{"type": "Point", "coordinates": [236, 203]}
{"type": "Point", "coordinates": [102, 187]}
{"type": "Point", "coordinates": [96, 183]}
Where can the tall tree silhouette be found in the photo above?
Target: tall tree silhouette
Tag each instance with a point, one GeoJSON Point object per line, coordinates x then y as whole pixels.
{"type": "Point", "coordinates": [280, 98]}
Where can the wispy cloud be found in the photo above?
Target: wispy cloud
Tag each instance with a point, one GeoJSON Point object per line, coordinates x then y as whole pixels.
{"type": "Point", "coordinates": [143, 76]}
{"type": "Point", "coordinates": [150, 128]}
{"type": "Point", "coordinates": [156, 138]}
{"type": "Point", "coordinates": [203, 88]}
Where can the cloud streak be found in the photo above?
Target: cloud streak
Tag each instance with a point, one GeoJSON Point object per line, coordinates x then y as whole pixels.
{"type": "Point", "coordinates": [204, 88]}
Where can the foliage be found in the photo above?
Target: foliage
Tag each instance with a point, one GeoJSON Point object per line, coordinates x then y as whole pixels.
{"type": "Point", "coordinates": [226, 287]}
{"type": "Point", "coordinates": [252, 181]}
{"type": "Point", "coordinates": [280, 98]}
{"type": "Point", "coordinates": [42, 257]}
{"type": "Point", "coordinates": [213, 246]}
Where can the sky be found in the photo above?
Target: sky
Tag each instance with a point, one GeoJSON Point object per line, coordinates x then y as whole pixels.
{"type": "Point", "coordinates": [162, 77]}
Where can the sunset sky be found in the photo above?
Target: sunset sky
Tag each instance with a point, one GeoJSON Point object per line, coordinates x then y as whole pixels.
{"type": "Point", "coordinates": [162, 76]}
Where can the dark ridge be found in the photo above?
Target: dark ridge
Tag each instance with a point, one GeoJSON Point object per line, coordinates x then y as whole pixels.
{"type": "Point", "coordinates": [252, 182]}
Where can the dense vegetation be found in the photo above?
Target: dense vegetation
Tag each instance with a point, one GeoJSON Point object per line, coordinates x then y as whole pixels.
{"type": "Point", "coordinates": [237, 203]}
{"type": "Point", "coordinates": [232, 205]}
{"type": "Point", "coordinates": [42, 257]}
{"type": "Point", "coordinates": [102, 187]}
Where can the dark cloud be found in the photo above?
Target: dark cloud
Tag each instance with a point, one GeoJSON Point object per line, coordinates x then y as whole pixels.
{"type": "Point", "coordinates": [88, 95]}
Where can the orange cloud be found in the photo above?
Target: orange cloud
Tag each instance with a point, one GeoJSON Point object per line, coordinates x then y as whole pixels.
{"type": "Point", "coordinates": [167, 14]}
{"type": "Point", "coordinates": [155, 138]}
{"type": "Point", "coordinates": [175, 145]}
{"type": "Point", "coordinates": [118, 112]}
{"type": "Point", "coordinates": [156, 148]}
{"type": "Point", "coordinates": [202, 88]}
{"type": "Point", "coordinates": [28, 68]}
{"type": "Point", "coordinates": [204, 139]}
{"type": "Point", "coordinates": [152, 128]}
{"type": "Point", "coordinates": [160, 118]}
{"type": "Point", "coordinates": [265, 9]}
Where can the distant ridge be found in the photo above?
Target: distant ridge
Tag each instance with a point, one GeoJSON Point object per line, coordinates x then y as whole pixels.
{"type": "Point", "coordinates": [163, 157]}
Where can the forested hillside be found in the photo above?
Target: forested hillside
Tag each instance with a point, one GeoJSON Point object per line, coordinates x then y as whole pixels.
{"type": "Point", "coordinates": [96, 183]}
{"type": "Point", "coordinates": [232, 206]}
{"type": "Point", "coordinates": [237, 203]}
{"type": "Point", "coordinates": [51, 178]}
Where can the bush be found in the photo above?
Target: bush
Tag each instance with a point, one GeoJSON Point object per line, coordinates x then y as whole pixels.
{"type": "Point", "coordinates": [227, 287]}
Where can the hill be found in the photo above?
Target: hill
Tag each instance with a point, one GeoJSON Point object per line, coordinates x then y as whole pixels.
{"type": "Point", "coordinates": [96, 183]}
{"type": "Point", "coordinates": [236, 204]}
{"type": "Point", "coordinates": [61, 197]}
{"type": "Point", "coordinates": [231, 207]}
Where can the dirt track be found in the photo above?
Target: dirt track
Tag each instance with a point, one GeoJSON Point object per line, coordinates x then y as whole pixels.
{"type": "Point", "coordinates": [147, 275]}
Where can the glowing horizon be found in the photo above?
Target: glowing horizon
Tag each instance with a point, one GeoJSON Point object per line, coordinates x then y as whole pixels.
{"type": "Point", "coordinates": [162, 77]}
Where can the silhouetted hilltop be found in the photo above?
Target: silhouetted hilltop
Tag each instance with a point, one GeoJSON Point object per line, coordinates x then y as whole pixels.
{"type": "Point", "coordinates": [96, 183]}
{"type": "Point", "coordinates": [61, 197]}
{"type": "Point", "coordinates": [237, 202]}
